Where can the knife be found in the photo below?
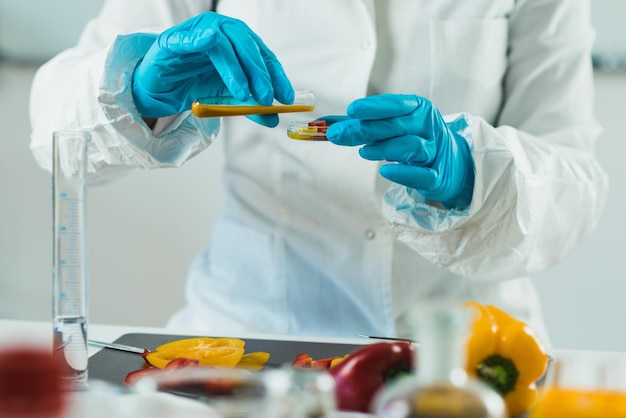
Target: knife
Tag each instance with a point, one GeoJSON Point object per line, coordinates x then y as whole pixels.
{"type": "Point", "coordinates": [114, 346]}
{"type": "Point", "coordinates": [387, 338]}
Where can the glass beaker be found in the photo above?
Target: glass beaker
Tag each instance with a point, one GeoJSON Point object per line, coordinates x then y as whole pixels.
{"type": "Point", "coordinates": [69, 287]}
{"type": "Point", "coordinates": [238, 393]}
{"type": "Point", "coordinates": [584, 385]}
{"type": "Point", "coordinates": [439, 387]}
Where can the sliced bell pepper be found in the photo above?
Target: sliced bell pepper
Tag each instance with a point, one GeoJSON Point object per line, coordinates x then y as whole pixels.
{"type": "Point", "coordinates": [302, 361]}
{"type": "Point", "coordinates": [133, 376]}
{"type": "Point", "coordinates": [213, 352]}
{"type": "Point", "coordinates": [201, 342]}
{"type": "Point", "coordinates": [505, 353]}
{"type": "Point", "coordinates": [174, 364]}
{"type": "Point", "coordinates": [208, 356]}
{"type": "Point", "coordinates": [335, 361]}
{"type": "Point", "coordinates": [253, 361]}
{"type": "Point", "coordinates": [305, 361]}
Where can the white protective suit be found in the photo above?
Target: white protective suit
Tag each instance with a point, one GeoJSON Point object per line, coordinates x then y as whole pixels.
{"type": "Point", "coordinates": [312, 240]}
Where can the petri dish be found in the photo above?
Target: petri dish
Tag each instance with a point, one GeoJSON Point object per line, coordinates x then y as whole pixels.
{"type": "Point", "coordinates": [237, 393]}
{"type": "Point", "coordinates": [211, 107]}
{"type": "Point", "coordinates": [309, 131]}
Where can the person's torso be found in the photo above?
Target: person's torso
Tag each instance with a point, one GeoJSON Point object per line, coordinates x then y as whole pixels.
{"type": "Point", "coordinates": [302, 229]}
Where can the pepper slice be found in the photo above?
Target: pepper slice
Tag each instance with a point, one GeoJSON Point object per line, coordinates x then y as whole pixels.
{"type": "Point", "coordinates": [305, 361]}
{"type": "Point", "coordinates": [504, 352]}
{"type": "Point", "coordinates": [174, 364]}
{"type": "Point", "coordinates": [208, 356]}
{"type": "Point", "coordinates": [212, 352]}
{"type": "Point", "coordinates": [253, 361]}
{"type": "Point", "coordinates": [201, 343]}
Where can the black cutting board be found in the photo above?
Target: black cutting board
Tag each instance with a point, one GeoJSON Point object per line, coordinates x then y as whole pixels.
{"type": "Point", "coordinates": [112, 366]}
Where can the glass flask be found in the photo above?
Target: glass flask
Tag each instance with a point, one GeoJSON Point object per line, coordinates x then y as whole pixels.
{"type": "Point", "coordinates": [439, 386]}
{"type": "Point", "coordinates": [584, 385]}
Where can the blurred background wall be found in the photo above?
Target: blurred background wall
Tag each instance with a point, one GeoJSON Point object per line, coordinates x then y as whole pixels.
{"type": "Point", "coordinates": [145, 229]}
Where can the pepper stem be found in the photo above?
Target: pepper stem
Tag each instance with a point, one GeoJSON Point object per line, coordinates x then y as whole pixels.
{"type": "Point", "coordinates": [498, 372]}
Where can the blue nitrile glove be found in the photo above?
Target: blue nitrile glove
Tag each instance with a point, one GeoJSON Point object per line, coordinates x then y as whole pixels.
{"type": "Point", "coordinates": [410, 131]}
{"type": "Point", "coordinates": [208, 55]}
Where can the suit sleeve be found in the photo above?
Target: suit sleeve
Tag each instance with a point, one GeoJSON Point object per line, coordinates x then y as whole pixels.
{"type": "Point", "coordinates": [87, 88]}
{"type": "Point", "coordinates": [539, 189]}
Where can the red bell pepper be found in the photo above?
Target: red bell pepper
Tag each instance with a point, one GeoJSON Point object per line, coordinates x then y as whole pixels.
{"type": "Point", "coordinates": [365, 371]}
{"type": "Point", "coordinates": [136, 374]}
{"type": "Point", "coordinates": [31, 382]}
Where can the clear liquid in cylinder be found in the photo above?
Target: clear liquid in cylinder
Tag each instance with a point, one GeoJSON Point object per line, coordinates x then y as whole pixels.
{"type": "Point", "coordinates": [70, 347]}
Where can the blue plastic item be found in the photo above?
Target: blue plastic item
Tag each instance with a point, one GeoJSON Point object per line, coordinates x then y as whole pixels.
{"type": "Point", "coordinates": [410, 132]}
{"type": "Point", "coordinates": [208, 55]}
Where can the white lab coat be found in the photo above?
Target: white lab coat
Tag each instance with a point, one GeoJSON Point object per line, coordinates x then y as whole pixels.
{"type": "Point", "coordinates": [311, 239]}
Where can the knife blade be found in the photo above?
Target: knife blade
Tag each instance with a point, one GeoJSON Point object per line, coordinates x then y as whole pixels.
{"type": "Point", "coordinates": [387, 338]}
{"type": "Point", "coordinates": [114, 346]}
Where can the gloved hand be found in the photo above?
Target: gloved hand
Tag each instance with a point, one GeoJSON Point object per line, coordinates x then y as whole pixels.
{"type": "Point", "coordinates": [410, 131]}
{"type": "Point", "coordinates": [208, 55]}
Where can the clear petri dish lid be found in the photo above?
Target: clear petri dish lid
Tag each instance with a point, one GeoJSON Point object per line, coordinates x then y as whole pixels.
{"type": "Point", "coordinates": [307, 130]}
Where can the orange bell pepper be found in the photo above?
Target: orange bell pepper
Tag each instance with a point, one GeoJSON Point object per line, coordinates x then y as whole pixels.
{"type": "Point", "coordinates": [504, 352]}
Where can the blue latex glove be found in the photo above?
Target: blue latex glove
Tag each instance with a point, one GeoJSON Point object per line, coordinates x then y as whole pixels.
{"type": "Point", "coordinates": [208, 55]}
{"type": "Point", "coordinates": [410, 131]}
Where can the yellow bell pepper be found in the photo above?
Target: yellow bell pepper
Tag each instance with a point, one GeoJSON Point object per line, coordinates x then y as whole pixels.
{"type": "Point", "coordinates": [212, 352]}
{"type": "Point", "coordinates": [504, 352]}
